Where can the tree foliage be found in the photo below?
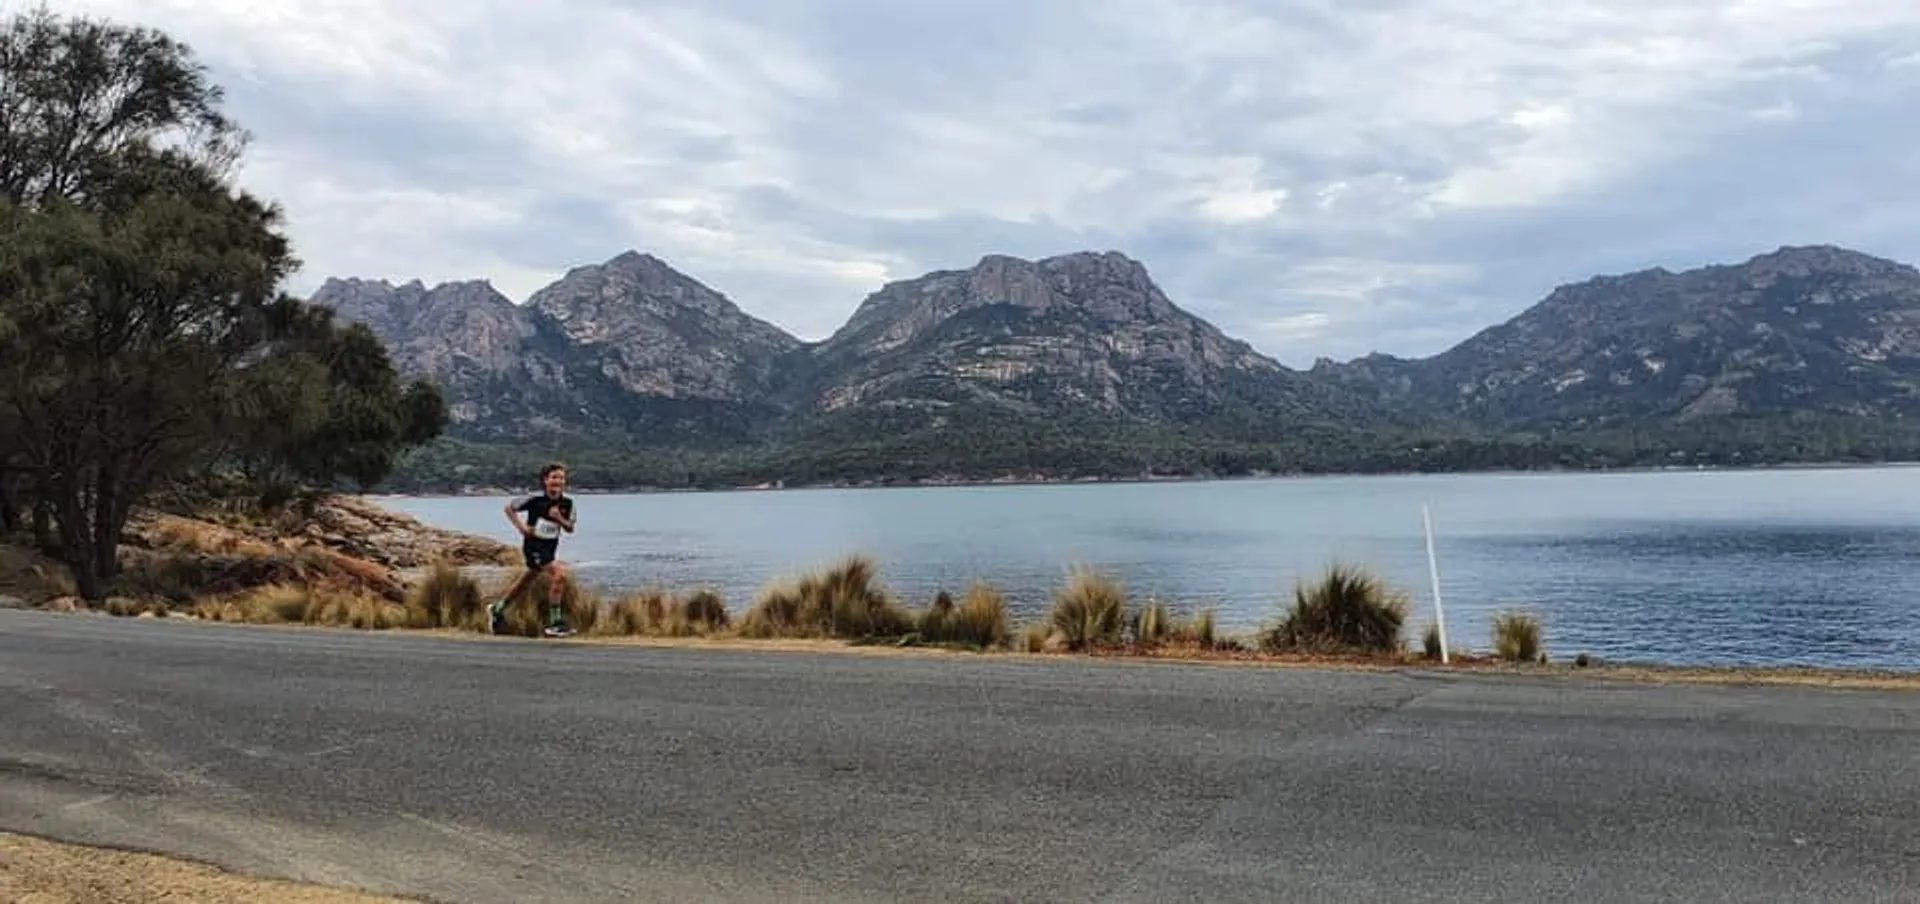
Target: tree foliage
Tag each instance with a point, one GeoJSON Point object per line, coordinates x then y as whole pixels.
{"type": "Point", "coordinates": [143, 334]}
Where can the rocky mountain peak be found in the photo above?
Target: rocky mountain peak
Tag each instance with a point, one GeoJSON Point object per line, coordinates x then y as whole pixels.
{"type": "Point", "coordinates": [1106, 286]}
{"type": "Point", "coordinates": [1061, 336]}
{"type": "Point", "coordinates": [654, 331]}
{"type": "Point", "coordinates": [1798, 329]}
{"type": "Point", "coordinates": [1807, 260]}
{"type": "Point", "coordinates": [633, 289]}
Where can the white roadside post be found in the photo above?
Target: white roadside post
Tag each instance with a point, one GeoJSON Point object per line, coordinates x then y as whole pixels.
{"type": "Point", "coordinates": [1433, 568]}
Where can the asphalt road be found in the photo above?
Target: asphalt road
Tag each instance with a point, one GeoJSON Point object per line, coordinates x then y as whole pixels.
{"type": "Point", "coordinates": [506, 770]}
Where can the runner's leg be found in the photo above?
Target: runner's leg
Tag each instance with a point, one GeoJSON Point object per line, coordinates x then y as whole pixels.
{"type": "Point", "coordinates": [556, 598]}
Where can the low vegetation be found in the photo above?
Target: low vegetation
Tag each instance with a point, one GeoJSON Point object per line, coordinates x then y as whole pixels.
{"type": "Point", "coordinates": [1516, 637]}
{"type": "Point", "coordinates": [1347, 611]}
{"type": "Point", "coordinates": [217, 572]}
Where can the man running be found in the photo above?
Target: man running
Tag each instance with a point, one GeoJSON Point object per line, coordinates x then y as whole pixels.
{"type": "Point", "coordinates": [547, 513]}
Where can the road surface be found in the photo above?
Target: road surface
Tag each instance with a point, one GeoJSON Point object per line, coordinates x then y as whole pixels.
{"type": "Point", "coordinates": [505, 770]}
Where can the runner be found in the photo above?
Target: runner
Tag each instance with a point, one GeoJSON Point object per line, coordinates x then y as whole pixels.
{"type": "Point", "coordinates": [546, 515]}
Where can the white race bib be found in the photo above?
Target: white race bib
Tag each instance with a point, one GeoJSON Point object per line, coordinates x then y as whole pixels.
{"type": "Point", "coordinates": [546, 530]}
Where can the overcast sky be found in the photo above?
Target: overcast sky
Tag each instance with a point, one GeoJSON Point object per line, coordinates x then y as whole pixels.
{"type": "Point", "coordinates": [1319, 177]}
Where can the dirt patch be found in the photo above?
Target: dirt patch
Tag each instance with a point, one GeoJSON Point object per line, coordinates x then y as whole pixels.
{"type": "Point", "coordinates": [37, 871]}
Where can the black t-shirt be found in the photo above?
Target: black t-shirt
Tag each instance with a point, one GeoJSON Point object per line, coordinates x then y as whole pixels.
{"type": "Point", "coordinates": [535, 508]}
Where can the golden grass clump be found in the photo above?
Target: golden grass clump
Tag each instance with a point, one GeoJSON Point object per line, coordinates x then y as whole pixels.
{"type": "Point", "coordinates": [295, 604]}
{"type": "Point", "coordinates": [1349, 610]}
{"type": "Point", "coordinates": [656, 613]}
{"type": "Point", "coordinates": [447, 598]}
{"type": "Point", "coordinates": [978, 620]}
{"type": "Point", "coordinates": [171, 533]}
{"type": "Point", "coordinates": [982, 617]}
{"type": "Point", "coordinates": [1152, 623]}
{"type": "Point", "coordinates": [1155, 624]}
{"type": "Point", "coordinates": [1196, 630]}
{"type": "Point", "coordinates": [1089, 611]}
{"type": "Point", "coordinates": [54, 580]}
{"type": "Point", "coordinates": [1034, 636]}
{"type": "Point", "coordinates": [1516, 636]}
{"type": "Point", "coordinates": [126, 607]}
{"type": "Point", "coordinates": [936, 623]}
{"type": "Point", "coordinates": [705, 611]}
{"type": "Point", "coordinates": [844, 601]}
{"type": "Point", "coordinates": [635, 614]}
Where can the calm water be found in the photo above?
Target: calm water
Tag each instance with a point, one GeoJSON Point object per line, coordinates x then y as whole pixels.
{"type": "Point", "coordinates": [1795, 566]}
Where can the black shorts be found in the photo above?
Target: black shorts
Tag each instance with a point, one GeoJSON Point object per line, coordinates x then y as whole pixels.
{"type": "Point", "coordinates": [539, 553]}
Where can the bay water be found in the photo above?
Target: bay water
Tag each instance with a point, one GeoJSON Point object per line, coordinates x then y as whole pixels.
{"type": "Point", "coordinates": [1817, 566]}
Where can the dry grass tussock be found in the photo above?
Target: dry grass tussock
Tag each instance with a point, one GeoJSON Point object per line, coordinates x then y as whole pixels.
{"type": "Point", "coordinates": [446, 598]}
{"type": "Point", "coordinates": [1156, 624]}
{"type": "Point", "coordinates": [296, 604]}
{"type": "Point", "coordinates": [979, 620]}
{"type": "Point", "coordinates": [173, 533]}
{"type": "Point", "coordinates": [846, 600]}
{"type": "Point", "coordinates": [655, 612]}
{"type": "Point", "coordinates": [182, 577]}
{"type": "Point", "coordinates": [1349, 610]}
{"type": "Point", "coordinates": [1090, 611]}
{"type": "Point", "coordinates": [31, 577]}
{"type": "Point", "coordinates": [1516, 637]}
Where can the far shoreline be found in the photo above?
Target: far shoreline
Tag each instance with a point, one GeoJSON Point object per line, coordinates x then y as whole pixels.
{"type": "Point", "coordinates": [1045, 482]}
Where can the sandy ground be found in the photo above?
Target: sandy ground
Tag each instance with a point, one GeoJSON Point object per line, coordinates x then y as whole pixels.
{"type": "Point", "coordinates": [37, 871]}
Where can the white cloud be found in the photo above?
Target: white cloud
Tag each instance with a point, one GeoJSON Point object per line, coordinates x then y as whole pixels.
{"type": "Point", "coordinates": [1362, 173]}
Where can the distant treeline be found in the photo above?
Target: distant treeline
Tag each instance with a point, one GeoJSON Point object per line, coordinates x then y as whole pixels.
{"type": "Point", "coordinates": [993, 449]}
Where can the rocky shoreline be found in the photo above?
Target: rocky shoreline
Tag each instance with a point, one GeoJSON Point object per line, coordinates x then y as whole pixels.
{"type": "Point", "coordinates": [169, 560]}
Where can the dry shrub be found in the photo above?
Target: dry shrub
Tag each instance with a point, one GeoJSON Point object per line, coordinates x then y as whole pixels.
{"type": "Point", "coordinates": [636, 614]}
{"type": "Point", "coordinates": [180, 578]}
{"type": "Point", "coordinates": [1089, 611]}
{"type": "Point", "coordinates": [125, 607]}
{"type": "Point", "coordinates": [1034, 637]}
{"type": "Point", "coordinates": [172, 533]}
{"type": "Point", "coordinates": [1196, 630]}
{"type": "Point", "coordinates": [1516, 636]}
{"type": "Point", "coordinates": [844, 601]}
{"type": "Point", "coordinates": [936, 623]}
{"type": "Point", "coordinates": [1348, 610]}
{"type": "Point", "coordinates": [53, 580]}
{"type": "Point", "coordinates": [1156, 624]}
{"type": "Point", "coordinates": [982, 618]}
{"type": "Point", "coordinates": [295, 604]}
{"type": "Point", "coordinates": [979, 620]}
{"type": "Point", "coordinates": [705, 611]}
{"type": "Point", "coordinates": [447, 598]}
{"type": "Point", "coordinates": [185, 576]}
{"type": "Point", "coordinates": [1152, 623]}
{"type": "Point", "coordinates": [655, 613]}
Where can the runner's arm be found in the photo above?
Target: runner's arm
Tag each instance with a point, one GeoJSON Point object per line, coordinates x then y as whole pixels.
{"type": "Point", "coordinates": [513, 515]}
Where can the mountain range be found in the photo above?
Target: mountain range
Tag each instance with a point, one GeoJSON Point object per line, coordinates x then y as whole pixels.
{"type": "Point", "coordinates": [1079, 364]}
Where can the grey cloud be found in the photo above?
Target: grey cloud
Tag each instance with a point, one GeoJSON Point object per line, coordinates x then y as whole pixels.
{"type": "Point", "coordinates": [401, 144]}
{"type": "Point", "coordinates": [1053, 85]}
